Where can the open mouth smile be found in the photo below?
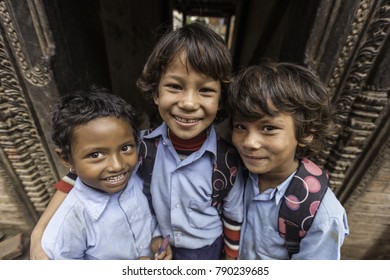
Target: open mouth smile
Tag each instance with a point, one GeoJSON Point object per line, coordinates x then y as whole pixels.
{"type": "Point", "coordinates": [184, 120]}
{"type": "Point", "coordinates": [115, 179]}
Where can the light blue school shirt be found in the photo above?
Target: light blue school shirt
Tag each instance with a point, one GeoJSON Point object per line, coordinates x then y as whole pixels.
{"type": "Point", "coordinates": [181, 193]}
{"type": "Point", "coordinates": [91, 224]}
{"type": "Point", "coordinates": [260, 237]}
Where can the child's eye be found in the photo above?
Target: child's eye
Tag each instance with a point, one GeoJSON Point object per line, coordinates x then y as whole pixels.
{"type": "Point", "coordinates": [174, 86]}
{"type": "Point", "coordinates": [95, 155]}
{"type": "Point", "coordinates": [127, 148]}
{"type": "Point", "coordinates": [207, 90]}
{"type": "Point", "coordinates": [268, 128]}
{"type": "Point", "coordinates": [238, 127]}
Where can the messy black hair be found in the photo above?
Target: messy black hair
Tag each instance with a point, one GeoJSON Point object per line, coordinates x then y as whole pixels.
{"type": "Point", "coordinates": [75, 109]}
{"type": "Point", "coordinates": [274, 87]}
{"type": "Point", "coordinates": [206, 52]}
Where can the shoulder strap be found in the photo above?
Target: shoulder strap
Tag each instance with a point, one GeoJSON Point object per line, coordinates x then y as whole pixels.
{"type": "Point", "coordinates": [224, 172]}
{"type": "Point", "coordinates": [146, 156]}
{"type": "Point", "coordinates": [300, 203]}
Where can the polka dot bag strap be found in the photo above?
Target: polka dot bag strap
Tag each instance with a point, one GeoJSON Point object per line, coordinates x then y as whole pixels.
{"type": "Point", "coordinates": [300, 203]}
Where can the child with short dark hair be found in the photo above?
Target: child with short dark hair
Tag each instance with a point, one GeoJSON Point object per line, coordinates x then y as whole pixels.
{"type": "Point", "coordinates": [105, 215]}
{"type": "Point", "coordinates": [281, 114]}
{"type": "Point", "coordinates": [186, 76]}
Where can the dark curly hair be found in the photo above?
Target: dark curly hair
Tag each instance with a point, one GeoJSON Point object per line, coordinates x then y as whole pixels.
{"type": "Point", "coordinates": [75, 109]}
{"type": "Point", "coordinates": [206, 53]}
{"type": "Point", "coordinates": [292, 89]}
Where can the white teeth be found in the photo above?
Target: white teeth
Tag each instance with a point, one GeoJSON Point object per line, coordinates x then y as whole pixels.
{"type": "Point", "coordinates": [115, 179]}
{"type": "Point", "coordinates": [186, 120]}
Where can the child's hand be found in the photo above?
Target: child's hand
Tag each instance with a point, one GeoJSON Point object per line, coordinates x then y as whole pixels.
{"type": "Point", "coordinates": [36, 250]}
{"type": "Point", "coordinates": [227, 257]}
{"type": "Point", "coordinates": [37, 253]}
{"type": "Point", "coordinates": [156, 244]}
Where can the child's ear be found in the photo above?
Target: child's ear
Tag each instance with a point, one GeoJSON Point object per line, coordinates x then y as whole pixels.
{"type": "Point", "coordinates": [306, 140]}
{"type": "Point", "coordinates": [63, 158]}
{"type": "Point", "coordinates": [156, 99]}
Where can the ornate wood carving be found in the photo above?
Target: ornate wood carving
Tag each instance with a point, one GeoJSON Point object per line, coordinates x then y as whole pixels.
{"type": "Point", "coordinates": [36, 73]}
{"type": "Point", "coordinates": [360, 21]}
{"type": "Point", "coordinates": [360, 107]}
{"type": "Point", "coordinates": [372, 164]}
{"type": "Point", "coordinates": [21, 141]}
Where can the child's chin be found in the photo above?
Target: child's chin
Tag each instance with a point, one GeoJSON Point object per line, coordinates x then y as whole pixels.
{"type": "Point", "coordinates": [112, 188]}
{"type": "Point", "coordinates": [255, 169]}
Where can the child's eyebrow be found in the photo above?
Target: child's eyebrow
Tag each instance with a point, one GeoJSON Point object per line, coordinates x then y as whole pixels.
{"type": "Point", "coordinates": [262, 117]}
{"type": "Point", "coordinates": [172, 76]}
{"type": "Point", "coordinates": [274, 119]}
{"type": "Point", "coordinates": [92, 147]}
{"type": "Point", "coordinates": [237, 119]}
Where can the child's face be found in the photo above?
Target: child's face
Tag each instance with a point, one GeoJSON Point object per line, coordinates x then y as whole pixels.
{"type": "Point", "coordinates": [267, 146]}
{"type": "Point", "coordinates": [104, 153]}
{"type": "Point", "coordinates": [187, 101]}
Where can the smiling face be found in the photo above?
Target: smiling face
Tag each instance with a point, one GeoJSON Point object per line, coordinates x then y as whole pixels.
{"type": "Point", "coordinates": [187, 101]}
{"type": "Point", "coordinates": [104, 153]}
{"type": "Point", "coordinates": [267, 145]}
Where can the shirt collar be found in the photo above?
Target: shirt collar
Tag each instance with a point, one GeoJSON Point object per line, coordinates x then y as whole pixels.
{"type": "Point", "coordinates": [276, 193]}
{"type": "Point", "coordinates": [95, 201]}
{"type": "Point", "coordinates": [209, 145]}
{"type": "Point", "coordinates": [282, 187]}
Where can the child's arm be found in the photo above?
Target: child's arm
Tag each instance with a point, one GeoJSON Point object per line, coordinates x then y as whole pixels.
{"type": "Point", "coordinates": [63, 187]}
{"type": "Point", "coordinates": [231, 232]}
{"type": "Point", "coordinates": [36, 251]}
{"type": "Point", "coordinates": [232, 217]}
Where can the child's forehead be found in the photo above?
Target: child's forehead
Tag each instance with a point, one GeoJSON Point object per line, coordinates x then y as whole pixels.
{"type": "Point", "coordinates": [281, 119]}
{"type": "Point", "coordinates": [179, 63]}
{"type": "Point", "coordinates": [250, 111]}
{"type": "Point", "coordinates": [102, 123]}
{"type": "Point", "coordinates": [180, 58]}
{"type": "Point", "coordinates": [240, 117]}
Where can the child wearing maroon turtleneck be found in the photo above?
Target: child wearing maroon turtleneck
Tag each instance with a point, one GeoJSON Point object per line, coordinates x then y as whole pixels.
{"type": "Point", "coordinates": [186, 76]}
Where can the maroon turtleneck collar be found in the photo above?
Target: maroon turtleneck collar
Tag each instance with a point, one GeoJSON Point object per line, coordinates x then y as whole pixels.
{"type": "Point", "coordinates": [187, 146]}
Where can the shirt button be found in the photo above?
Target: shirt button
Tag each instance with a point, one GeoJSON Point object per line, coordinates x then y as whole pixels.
{"type": "Point", "coordinates": [177, 205]}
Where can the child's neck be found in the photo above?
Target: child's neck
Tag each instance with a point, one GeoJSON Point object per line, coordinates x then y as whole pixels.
{"type": "Point", "coordinates": [273, 179]}
{"type": "Point", "coordinates": [187, 146]}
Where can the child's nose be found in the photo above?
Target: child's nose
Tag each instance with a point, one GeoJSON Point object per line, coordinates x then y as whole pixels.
{"type": "Point", "coordinates": [252, 141]}
{"type": "Point", "coordinates": [116, 163]}
{"type": "Point", "coordinates": [190, 100]}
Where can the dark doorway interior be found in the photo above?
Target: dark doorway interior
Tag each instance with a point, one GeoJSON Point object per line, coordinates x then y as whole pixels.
{"type": "Point", "coordinates": [106, 42]}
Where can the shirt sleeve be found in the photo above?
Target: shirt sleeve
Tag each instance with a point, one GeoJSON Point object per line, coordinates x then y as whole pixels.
{"type": "Point", "coordinates": [64, 236]}
{"type": "Point", "coordinates": [231, 237]}
{"type": "Point", "coordinates": [326, 235]}
{"type": "Point", "coordinates": [156, 230]}
{"type": "Point", "coordinates": [66, 183]}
